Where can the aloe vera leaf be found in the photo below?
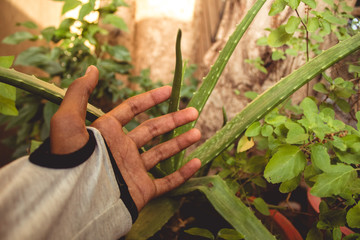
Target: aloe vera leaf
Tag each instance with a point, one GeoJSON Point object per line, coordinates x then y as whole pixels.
{"type": "Point", "coordinates": [272, 97]}
{"type": "Point", "coordinates": [152, 218]}
{"type": "Point", "coordinates": [168, 165]}
{"type": "Point", "coordinates": [201, 96]}
{"type": "Point", "coordinates": [227, 205]}
{"type": "Point", "coordinates": [41, 88]}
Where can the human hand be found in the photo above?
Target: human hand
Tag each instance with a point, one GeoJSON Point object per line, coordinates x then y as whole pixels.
{"type": "Point", "coordinates": [68, 134]}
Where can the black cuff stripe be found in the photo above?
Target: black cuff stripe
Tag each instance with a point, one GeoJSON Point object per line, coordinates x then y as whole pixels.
{"type": "Point", "coordinates": [124, 191]}
{"type": "Point", "coordinates": [44, 158]}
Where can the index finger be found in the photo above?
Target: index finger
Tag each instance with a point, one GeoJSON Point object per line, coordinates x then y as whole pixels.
{"type": "Point", "coordinates": [140, 103]}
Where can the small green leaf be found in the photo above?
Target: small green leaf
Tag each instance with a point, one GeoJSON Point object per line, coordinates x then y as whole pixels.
{"type": "Point", "coordinates": [229, 234]}
{"type": "Point", "coordinates": [277, 55]}
{"type": "Point", "coordinates": [358, 120]}
{"type": "Point", "coordinates": [314, 234]}
{"type": "Point", "coordinates": [292, 24]}
{"type": "Point", "coordinates": [266, 130]}
{"type": "Point", "coordinates": [293, 4]}
{"type": "Point", "coordinates": [313, 24]}
{"type": "Point", "coordinates": [330, 218]}
{"type": "Point", "coordinates": [321, 88]}
{"type": "Point", "coordinates": [6, 61]}
{"type": "Point", "coordinates": [18, 37]}
{"type": "Point", "coordinates": [34, 145]}
{"type": "Point", "coordinates": [290, 185]}
{"type": "Point", "coordinates": [278, 37]}
{"type": "Point", "coordinates": [28, 24]}
{"type": "Point", "coordinates": [253, 130]}
{"type": "Point", "coordinates": [343, 105]}
{"type": "Point", "coordinates": [288, 162]}
{"type": "Point", "coordinates": [115, 21]}
{"type": "Point", "coordinates": [353, 216]}
{"type": "Point", "coordinates": [337, 234]}
{"type": "Point", "coordinates": [69, 5]}
{"type": "Point", "coordinates": [334, 183]}
{"type": "Point", "coordinates": [201, 232]}
{"type": "Point", "coordinates": [296, 134]}
{"type": "Point", "coordinates": [339, 143]}
{"type": "Point", "coordinates": [251, 95]}
{"type": "Point", "coordinates": [291, 52]}
{"type": "Point", "coordinates": [120, 53]}
{"type": "Point", "coordinates": [48, 33]}
{"type": "Point", "coordinates": [277, 7]}
{"type": "Point", "coordinates": [310, 3]}
{"type": "Point", "coordinates": [320, 157]}
{"type": "Point", "coordinates": [86, 9]}
{"type": "Point", "coordinates": [259, 181]}
{"type": "Point", "coordinates": [261, 206]}
{"type": "Point", "coordinates": [261, 41]}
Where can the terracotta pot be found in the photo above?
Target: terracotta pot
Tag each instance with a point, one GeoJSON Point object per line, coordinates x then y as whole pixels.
{"type": "Point", "coordinates": [287, 228]}
{"type": "Point", "coordinates": [315, 202]}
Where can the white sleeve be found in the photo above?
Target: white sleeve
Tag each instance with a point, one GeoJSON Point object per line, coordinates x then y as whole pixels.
{"type": "Point", "coordinates": [75, 196]}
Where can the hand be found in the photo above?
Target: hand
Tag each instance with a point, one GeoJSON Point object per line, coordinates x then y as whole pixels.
{"type": "Point", "coordinates": [68, 134]}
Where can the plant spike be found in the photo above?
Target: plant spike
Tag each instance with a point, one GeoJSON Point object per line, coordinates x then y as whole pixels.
{"type": "Point", "coordinates": [272, 97]}
{"type": "Point", "coordinates": [168, 165]}
{"type": "Point", "coordinates": [201, 96]}
{"type": "Point", "coordinates": [41, 88]}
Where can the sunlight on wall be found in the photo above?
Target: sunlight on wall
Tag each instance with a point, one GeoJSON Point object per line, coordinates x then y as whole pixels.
{"type": "Point", "coordinates": [182, 10]}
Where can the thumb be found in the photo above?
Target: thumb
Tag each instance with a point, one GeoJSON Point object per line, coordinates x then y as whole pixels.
{"type": "Point", "coordinates": [67, 130]}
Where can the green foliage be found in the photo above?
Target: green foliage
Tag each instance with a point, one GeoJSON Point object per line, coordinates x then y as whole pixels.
{"type": "Point", "coordinates": [224, 233]}
{"type": "Point", "coordinates": [7, 92]}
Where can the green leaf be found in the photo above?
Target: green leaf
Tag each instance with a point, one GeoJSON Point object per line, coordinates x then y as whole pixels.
{"type": "Point", "coordinates": [6, 61]}
{"type": "Point", "coordinates": [296, 134]}
{"type": "Point", "coordinates": [152, 218]}
{"type": "Point", "coordinates": [86, 9]}
{"type": "Point", "coordinates": [34, 145]}
{"type": "Point", "coordinates": [353, 216]}
{"type": "Point", "coordinates": [314, 234]}
{"type": "Point", "coordinates": [261, 206]}
{"type": "Point", "coordinates": [321, 88]}
{"type": "Point", "coordinates": [69, 5]}
{"type": "Point", "coordinates": [334, 183]}
{"type": "Point", "coordinates": [331, 18]}
{"type": "Point", "coordinates": [343, 105]}
{"type": "Point", "coordinates": [229, 234]}
{"type": "Point", "coordinates": [290, 185]}
{"type": "Point", "coordinates": [358, 120]}
{"type": "Point", "coordinates": [115, 21]}
{"type": "Point", "coordinates": [277, 55]}
{"type": "Point", "coordinates": [253, 130]}
{"type": "Point", "coordinates": [320, 157]}
{"type": "Point", "coordinates": [293, 4]}
{"type": "Point", "coordinates": [292, 24]}
{"type": "Point", "coordinates": [288, 162]}
{"type": "Point", "coordinates": [227, 205]}
{"type": "Point", "coordinates": [28, 24]}
{"type": "Point", "coordinates": [277, 7]}
{"type": "Point", "coordinates": [313, 24]}
{"type": "Point", "coordinates": [339, 143]}
{"type": "Point", "coordinates": [49, 110]}
{"type": "Point", "coordinates": [278, 37]}
{"type": "Point", "coordinates": [266, 130]}
{"type": "Point", "coordinates": [354, 69]}
{"type": "Point", "coordinates": [201, 232]}
{"type": "Point", "coordinates": [120, 53]}
{"type": "Point", "coordinates": [330, 219]}
{"type": "Point", "coordinates": [18, 37]}
{"type": "Point", "coordinates": [291, 52]}
{"type": "Point", "coordinates": [48, 33]}
{"type": "Point", "coordinates": [259, 181]}
{"type": "Point", "coordinates": [310, 3]}
{"type": "Point", "coordinates": [337, 234]}
{"type": "Point", "coordinates": [251, 95]}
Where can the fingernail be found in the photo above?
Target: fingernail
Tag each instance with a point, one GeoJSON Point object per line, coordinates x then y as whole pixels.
{"type": "Point", "coordinates": [88, 70]}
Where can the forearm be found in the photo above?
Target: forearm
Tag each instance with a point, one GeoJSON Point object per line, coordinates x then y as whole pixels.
{"type": "Point", "coordinates": [54, 199]}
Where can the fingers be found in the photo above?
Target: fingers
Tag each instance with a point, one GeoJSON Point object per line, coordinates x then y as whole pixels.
{"type": "Point", "coordinates": [177, 178]}
{"type": "Point", "coordinates": [67, 131]}
{"type": "Point", "coordinates": [140, 103]}
{"type": "Point", "coordinates": [155, 127]}
{"type": "Point", "coordinates": [169, 148]}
